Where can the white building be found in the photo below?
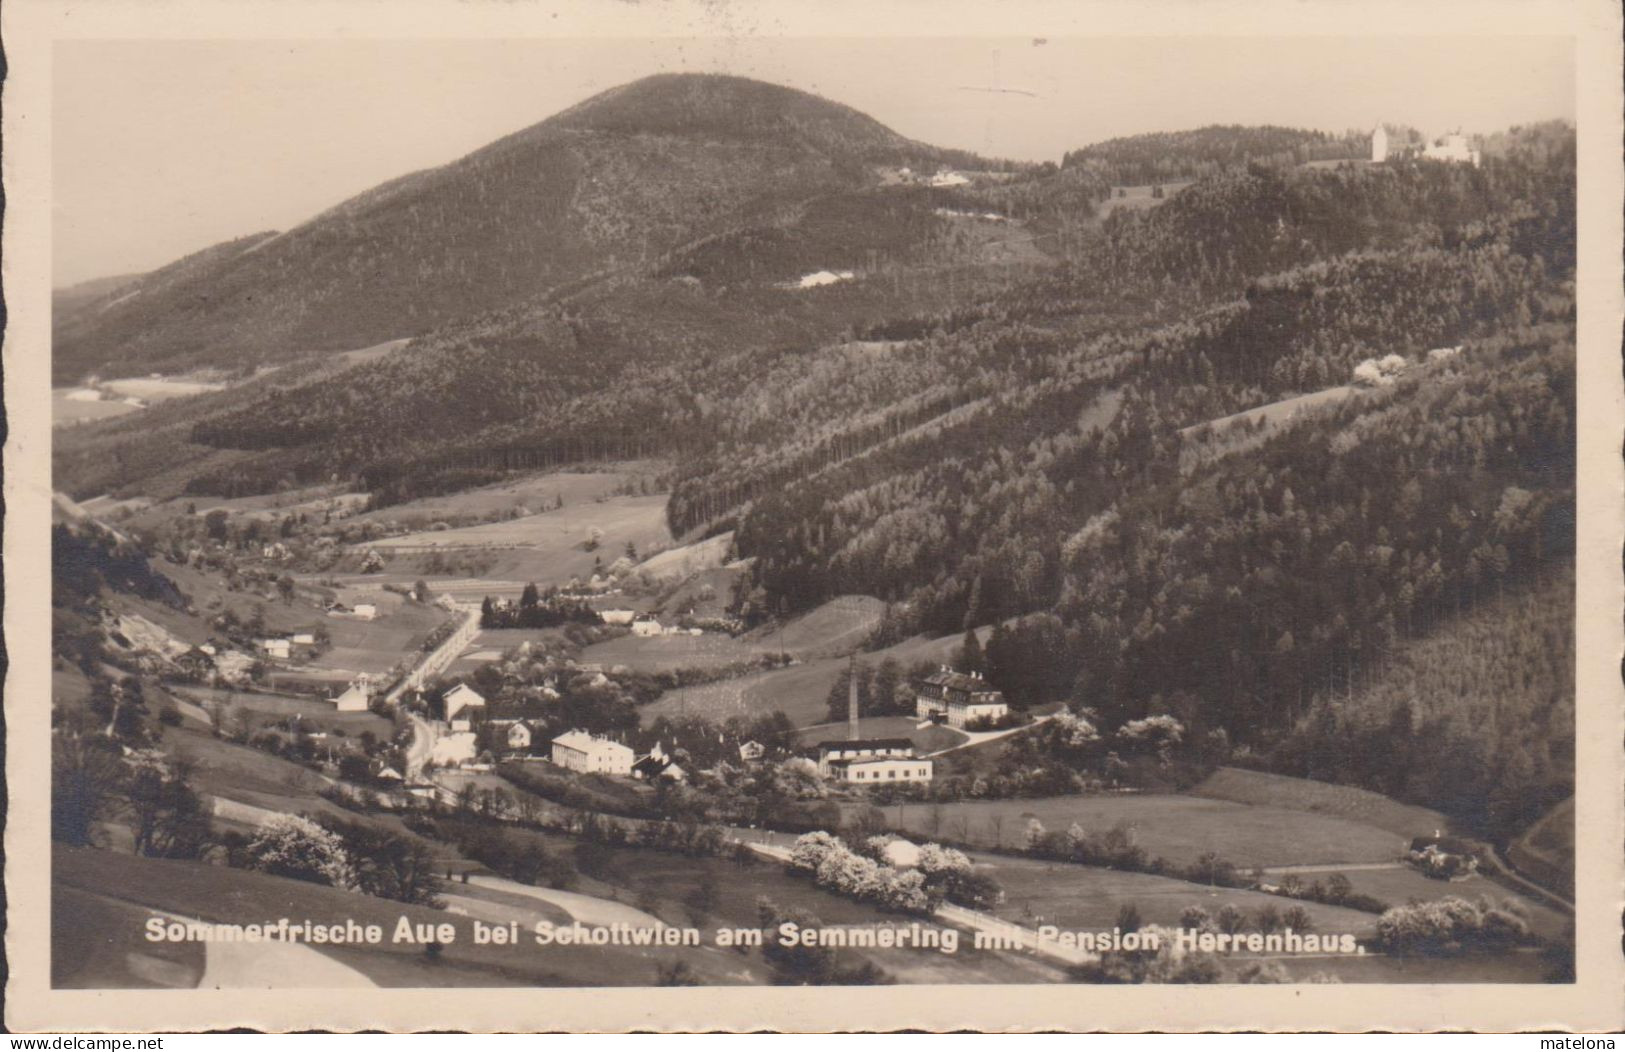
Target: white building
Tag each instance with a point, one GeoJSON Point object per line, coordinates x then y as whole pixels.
{"type": "Point", "coordinates": [356, 696]}
{"type": "Point", "coordinates": [460, 703]}
{"type": "Point", "coordinates": [1454, 149]}
{"type": "Point", "coordinates": [957, 699]}
{"type": "Point", "coordinates": [519, 736]}
{"type": "Point", "coordinates": [277, 648]}
{"type": "Point", "coordinates": [618, 617]}
{"type": "Point", "coordinates": [646, 627]}
{"type": "Point", "coordinates": [588, 754]}
{"type": "Point", "coordinates": [365, 611]}
{"type": "Point", "coordinates": [305, 638]}
{"type": "Point", "coordinates": [885, 769]}
{"type": "Point", "coordinates": [1379, 145]}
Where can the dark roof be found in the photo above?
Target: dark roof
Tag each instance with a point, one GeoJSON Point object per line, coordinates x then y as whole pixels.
{"type": "Point", "coordinates": [866, 743]}
{"type": "Point", "coordinates": [960, 681]}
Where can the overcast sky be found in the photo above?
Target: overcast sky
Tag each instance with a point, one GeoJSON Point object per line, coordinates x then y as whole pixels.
{"type": "Point", "coordinates": [161, 149]}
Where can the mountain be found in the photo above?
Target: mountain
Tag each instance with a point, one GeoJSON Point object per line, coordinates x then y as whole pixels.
{"type": "Point", "coordinates": [604, 186]}
{"type": "Point", "coordinates": [1161, 157]}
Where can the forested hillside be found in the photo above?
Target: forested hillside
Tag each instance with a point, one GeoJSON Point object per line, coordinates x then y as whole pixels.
{"type": "Point", "coordinates": [1164, 157]}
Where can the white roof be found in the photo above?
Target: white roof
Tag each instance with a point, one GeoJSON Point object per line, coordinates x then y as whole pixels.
{"type": "Point", "coordinates": [464, 694]}
{"type": "Point", "coordinates": [585, 742]}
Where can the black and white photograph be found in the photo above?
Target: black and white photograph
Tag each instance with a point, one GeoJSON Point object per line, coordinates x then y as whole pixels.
{"type": "Point", "coordinates": [746, 511]}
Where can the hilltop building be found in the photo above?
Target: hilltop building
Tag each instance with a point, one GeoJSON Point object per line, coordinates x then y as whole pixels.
{"type": "Point", "coordinates": [957, 698]}
{"type": "Point", "coordinates": [1379, 145]}
{"type": "Point", "coordinates": [1452, 148]}
{"type": "Point", "coordinates": [588, 754]}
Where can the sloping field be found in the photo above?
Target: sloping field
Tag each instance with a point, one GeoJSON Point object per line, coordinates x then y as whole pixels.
{"type": "Point", "coordinates": [1546, 851]}
{"type": "Point", "coordinates": [1085, 897]}
{"type": "Point", "coordinates": [548, 547]}
{"type": "Point", "coordinates": [833, 629]}
{"type": "Point", "coordinates": [706, 594]}
{"type": "Point", "coordinates": [690, 559]}
{"type": "Point", "coordinates": [222, 895]}
{"type": "Point", "coordinates": [534, 492]}
{"type": "Point", "coordinates": [65, 411]}
{"type": "Point", "coordinates": [1300, 794]}
{"type": "Point", "coordinates": [1179, 828]}
{"type": "Point", "coordinates": [799, 691]}
{"type": "Point", "coordinates": [1404, 884]}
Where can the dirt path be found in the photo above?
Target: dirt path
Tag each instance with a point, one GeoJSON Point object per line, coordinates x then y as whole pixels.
{"type": "Point", "coordinates": [584, 908]}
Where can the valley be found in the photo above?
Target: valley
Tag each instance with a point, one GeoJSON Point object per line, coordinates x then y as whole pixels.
{"type": "Point", "coordinates": [1031, 541]}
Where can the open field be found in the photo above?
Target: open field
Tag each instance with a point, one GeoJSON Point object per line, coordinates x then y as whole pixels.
{"type": "Point", "coordinates": [218, 894]}
{"type": "Point", "coordinates": [65, 411]}
{"type": "Point", "coordinates": [1403, 884]}
{"type": "Point", "coordinates": [261, 709]}
{"type": "Point", "coordinates": [1086, 897]}
{"type": "Point", "coordinates": [1545, 852]}
{"type": "Point", "coordinates": [834, 629]}
{"type": "Point", "coordinates": [928, 739]}
{"type": "Point", "coordinates": [706, 594]}
{"type": "Point", "coordinates": [1179, 828]}
{"type": "Point", "coordinates": [799, 691]}
{"type": "Point", "coordinates": [678, 563]}
{"type": "Point", "coordinates": [1301, 794]}
{"type": "Point", "coordinates": [1234, 433]}
{"type": "Point", "coordinates": [533, 492]}
{"type": "Point", "coordinates": [160, 388]}
{"type": "Point", "coordinates": [546, 547]}
{"type": "Point", "coordinates": [660, 883]}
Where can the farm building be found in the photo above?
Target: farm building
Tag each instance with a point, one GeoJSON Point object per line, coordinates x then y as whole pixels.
{"type": "Point", "coordinates": [198, 664]}
{"type": "Point", "coordinates": [618, 617]}
{"type": "Point", "coordinates": [277, 648]}
{"type": "Point", "coordinates": [583, 752]}
{"type": "Point", "coordinates": [750, 752]}
{"type": "Point", "coordinates": [957, 698]}
{"type": "Point", "coordinates": [461, 702]}
{"type": "Point", "coordinates": [365, 611]}
{"type": "Point", "coordinates": [304, 638]}
{"type": "Point", "coordinates": [646, 627]}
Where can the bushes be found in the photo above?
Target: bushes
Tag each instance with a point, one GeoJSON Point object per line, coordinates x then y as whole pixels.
{"type": "Point", "coordinates": [1451, 926]}
{"type": "Point", "coordinates": [388, 866]}
{"type": "Point", "coordinates": [837, 867]}
{"type": "Point", "coordinates": [295, 847]}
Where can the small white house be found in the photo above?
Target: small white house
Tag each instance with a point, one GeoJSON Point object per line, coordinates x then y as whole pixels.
{"type": "Point", "coordinates": [355, 697]}
{"type": "Point", "coordinates": [277, 648]}
{"type": "Point", "coordinates": [646, 627]}
{"type": "Point", "coordinates": [365, 611]}
{"type": "Point", "coordinates": [618, 617]}
{"type": "Point", "coordinates": [304, 638]}
{"type": "Point", "coordinates": [461, 702]}
{"type": "Point", "coordinates": [589, 754]}
{"type": "Point", "coordinates": [519, 737]}
{"type": "Point", "coordinates": [750, 752]}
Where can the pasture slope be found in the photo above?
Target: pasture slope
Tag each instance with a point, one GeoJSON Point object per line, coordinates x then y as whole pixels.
{"type": "Point", "coordinates": [1341, 801]}
{"type": "Point", "coordinates": [222, 895]}
{"type": "Point", "coordinates": [799, 691]}
{"type": "Point", "coordinates": [1177, 827]}
{"type": "Point", "coordinates": [1545, 852]}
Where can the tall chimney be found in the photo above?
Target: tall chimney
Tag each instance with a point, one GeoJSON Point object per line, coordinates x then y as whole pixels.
{"type": "Point", "coordinates": [852, 699]}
